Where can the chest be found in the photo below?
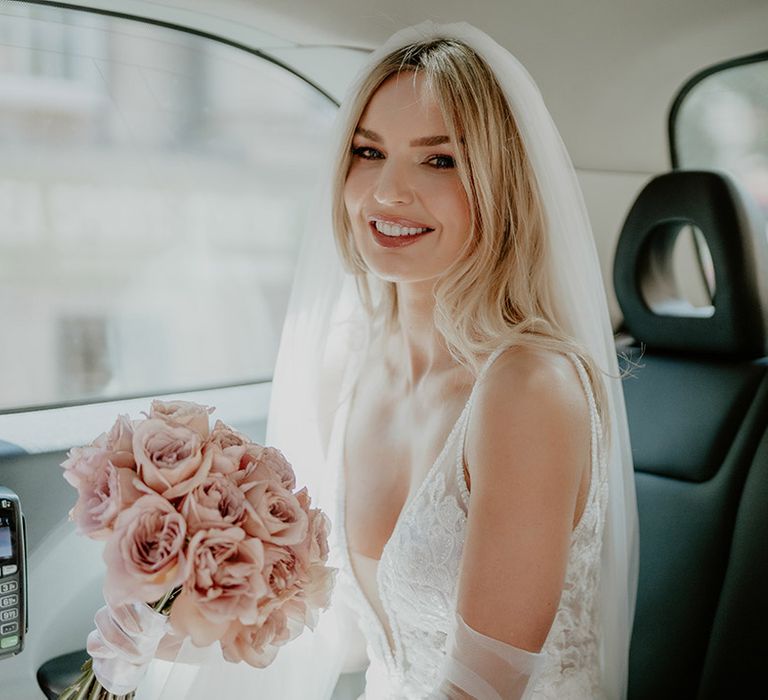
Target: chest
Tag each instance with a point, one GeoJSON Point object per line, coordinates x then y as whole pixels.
{"type": "Point", "coordinates": [389, 446]}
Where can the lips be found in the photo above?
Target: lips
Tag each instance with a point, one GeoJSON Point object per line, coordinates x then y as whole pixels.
{"type": "Point", "coordinates": [396, 231]}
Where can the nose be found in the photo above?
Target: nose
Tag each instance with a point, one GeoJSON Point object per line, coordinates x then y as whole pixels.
{"type": "Point", "coordinates": [392, 185]}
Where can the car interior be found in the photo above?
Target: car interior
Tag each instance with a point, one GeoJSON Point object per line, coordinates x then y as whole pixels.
{"type": "Point", "coordinates": [139, 137]}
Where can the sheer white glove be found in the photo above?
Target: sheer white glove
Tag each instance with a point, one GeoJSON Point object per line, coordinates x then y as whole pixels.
{"type": "Point", "coordinates": [124, 642]}
{"type": "Point", "coordinates": [478, 667]}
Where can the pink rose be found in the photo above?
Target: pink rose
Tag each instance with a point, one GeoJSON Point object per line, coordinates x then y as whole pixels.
{"type": "Point", "coordinates": [230, 447]}
{"type": "Point", "coordinates": [273, 513]}
{"type": "Point", "coordinates": [145, 554]}
{"type": "Point", "coordinates": [170, 458]}
{"type": "Point", "coordinates": [312, 587]}
{"type": "Point", "coordinates": [87, 462]}
{"type": "Point", "coordinates": [280, 467]}
{"type": "Point", "coordinates": [223, 582]}
{"type": "Point", "coordinates": [318, 586]}
{"type": "Point", "coordinates": [267, 464]}
{"type": "Point", "coordinates": [183, 413]}
{"type": "Point", "coordinates": [319, 529]}
{"type": "Point", "coordinates": [314, 595]}
{"type": "Point", "coordinates": [120, 436]}
{"type": "Point", "coordinates": [257, 645]}
{"type": "Point", "coordinates": [302, 496]}
{"type": "Point", "coordinates": [217, 502]}
{"type": "Point", "coordinates": [102, 497]}
{"type": "Point", "coordinates": [285, 571]}
{"type": "Point", "coordinates": [84, 463]}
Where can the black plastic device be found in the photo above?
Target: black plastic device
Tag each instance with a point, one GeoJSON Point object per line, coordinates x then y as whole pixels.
{"type": "Point", "coordinates": [13, 574]}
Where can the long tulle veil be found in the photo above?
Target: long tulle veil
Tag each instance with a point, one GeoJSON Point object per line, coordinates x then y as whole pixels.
{"type": "Point", "coordinates": [325, 328]}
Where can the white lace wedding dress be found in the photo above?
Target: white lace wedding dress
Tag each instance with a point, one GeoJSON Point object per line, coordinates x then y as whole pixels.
{"type": "Point", "coordinates": [414, 585]}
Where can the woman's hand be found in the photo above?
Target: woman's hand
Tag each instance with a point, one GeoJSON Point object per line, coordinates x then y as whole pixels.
{"type": "Point", "coordinates": [125, 640]}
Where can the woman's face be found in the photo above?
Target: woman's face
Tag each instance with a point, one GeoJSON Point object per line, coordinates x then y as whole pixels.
{"type": "Point", "coordinates": [408, 209]}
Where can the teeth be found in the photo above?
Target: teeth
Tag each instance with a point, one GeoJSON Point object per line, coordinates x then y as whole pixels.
{"type": "Point", "coordinates": [395, 230]}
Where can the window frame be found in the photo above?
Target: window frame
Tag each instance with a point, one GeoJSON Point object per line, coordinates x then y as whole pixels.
{"type": "Point", "coordinates": [88, 414]}
{"type": "Point", "coordinates": [682, 93]}
{"type": "Point", "coordinates": [691, 83]}
{"type": "Point", "coordinates": [260, 53]}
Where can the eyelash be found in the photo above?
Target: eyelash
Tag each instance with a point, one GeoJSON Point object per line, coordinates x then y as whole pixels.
{"type": "Point", "coordinates": [359, 152]}
{"type": "Point", "coordinates": [365, 152]}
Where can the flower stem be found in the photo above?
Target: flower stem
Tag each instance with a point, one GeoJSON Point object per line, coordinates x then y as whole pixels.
{"type": "Point", "coordinates": [83, 693]}
{"type": "Point", "coordinates": [87, 687]}
{"type": "Point", "coordinates": [164, 604]}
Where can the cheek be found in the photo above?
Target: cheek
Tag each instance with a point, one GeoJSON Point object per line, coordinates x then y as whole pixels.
{"type": "Point", "coordinates": [354, 198]}
{"type": "Point", "coordinates": [455, 205]}
{"type": "Point", "coordinates": [354, 190]}
{"type": "Point", "coordinates": [462, 206]}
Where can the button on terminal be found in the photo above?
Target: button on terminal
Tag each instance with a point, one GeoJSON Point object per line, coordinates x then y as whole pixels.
{"type": "Point", "coordinates": [9, 642]}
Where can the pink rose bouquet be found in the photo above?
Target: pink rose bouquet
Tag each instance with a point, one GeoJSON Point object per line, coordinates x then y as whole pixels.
{"type": "Point", "coordinates": [205, 536]}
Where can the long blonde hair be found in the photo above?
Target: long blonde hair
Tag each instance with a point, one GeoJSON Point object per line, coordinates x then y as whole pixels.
{"type": "Point", "coordinates": [498, 291]}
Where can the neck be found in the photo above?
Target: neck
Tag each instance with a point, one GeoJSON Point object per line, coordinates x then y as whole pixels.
{"type": "Point", "coordinates": [419, 349]}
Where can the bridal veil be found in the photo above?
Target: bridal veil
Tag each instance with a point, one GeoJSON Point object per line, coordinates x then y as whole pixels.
{"type": "Point", "coordinates": [325, 326]}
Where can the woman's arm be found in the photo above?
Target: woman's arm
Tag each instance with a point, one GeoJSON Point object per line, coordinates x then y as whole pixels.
{"type": "Point", "coordinates": [528, 456]}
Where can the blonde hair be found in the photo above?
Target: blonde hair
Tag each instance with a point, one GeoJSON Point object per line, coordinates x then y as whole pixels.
{"type": "Point", "coordinates": [498, 291]}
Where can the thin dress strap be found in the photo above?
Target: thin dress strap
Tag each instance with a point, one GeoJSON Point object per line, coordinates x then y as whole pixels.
{"type": "Point", "coordinates": [595, 427]}
{"type": "Point", "coordinates": [460, 479]}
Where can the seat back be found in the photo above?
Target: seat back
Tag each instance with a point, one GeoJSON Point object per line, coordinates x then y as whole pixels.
{"type": "Point", "coordinates": [697, 403]}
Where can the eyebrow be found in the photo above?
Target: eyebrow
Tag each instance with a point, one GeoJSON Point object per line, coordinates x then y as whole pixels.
{"type": "Point", "coordinates": [422, 141]}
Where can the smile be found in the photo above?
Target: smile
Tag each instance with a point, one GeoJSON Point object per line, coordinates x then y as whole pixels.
{"type": "Point", "coordinates": [391, 235]}
{"type": "Point", "coordinates": [396, 230]}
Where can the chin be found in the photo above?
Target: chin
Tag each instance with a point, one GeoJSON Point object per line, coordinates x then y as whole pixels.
{"type": "Point", "coordinates": [399, 274]}
{"type": "Point", "coordinates": [404, 279]}
{"type": "Point", "coordinates": [394, 267]}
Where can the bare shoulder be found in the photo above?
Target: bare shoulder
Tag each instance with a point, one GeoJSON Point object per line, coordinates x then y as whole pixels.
{"type": "Point", "coordinates": [531, 401]}
{"type": "Point", "coordinates": [531, 382]}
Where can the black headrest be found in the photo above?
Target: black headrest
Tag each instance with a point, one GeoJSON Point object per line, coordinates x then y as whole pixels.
{"type": "Point", "coordinates": [735, 232]}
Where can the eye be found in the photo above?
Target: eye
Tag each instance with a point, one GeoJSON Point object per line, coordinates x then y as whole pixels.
{"type": "Point", "coordinates": [366, 153]}
{"type": "Point", "coordinates": [441, 162]}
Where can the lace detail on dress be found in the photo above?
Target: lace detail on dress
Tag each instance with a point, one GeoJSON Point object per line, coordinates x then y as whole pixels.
{"type": "Point", "coordinates": [419, 571]}
{"type": "Point", "coordinates": [461, 480]}
{"type": "Point", "coordinates": [572, 667]}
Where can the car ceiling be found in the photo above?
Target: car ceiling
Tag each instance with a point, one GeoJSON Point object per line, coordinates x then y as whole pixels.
{"type": "Point", "coordinates": [608, 69]}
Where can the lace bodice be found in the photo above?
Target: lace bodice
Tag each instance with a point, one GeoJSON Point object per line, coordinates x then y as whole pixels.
{"type": "Point", "coordinates": [417, 576]}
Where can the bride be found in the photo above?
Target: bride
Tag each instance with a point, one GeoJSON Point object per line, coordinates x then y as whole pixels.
{"type": "Point", "coordinates": [447, 387]}
{"type": "Point", "coordinates": [470, 406]}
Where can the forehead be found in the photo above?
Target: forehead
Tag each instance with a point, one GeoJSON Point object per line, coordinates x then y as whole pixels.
{"type": "Point", "coordinates": [403, 102]}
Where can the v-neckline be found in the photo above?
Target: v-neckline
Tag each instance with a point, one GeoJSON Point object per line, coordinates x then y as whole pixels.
{"type": "Point", "coordinates": [394, 656]}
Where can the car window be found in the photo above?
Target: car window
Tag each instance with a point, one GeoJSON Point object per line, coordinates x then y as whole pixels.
{"type": "Point", "coordinates": [152, 196]}
{"type": "Point", "coordinates": [720, 120]}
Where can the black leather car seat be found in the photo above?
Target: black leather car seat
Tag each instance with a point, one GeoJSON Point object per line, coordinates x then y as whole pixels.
{"type": "Point", "coordinates": [697, 403]}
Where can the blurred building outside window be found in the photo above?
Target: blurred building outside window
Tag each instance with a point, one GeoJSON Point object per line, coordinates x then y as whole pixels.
{"type": "Point", "coordinates": [152, 198]}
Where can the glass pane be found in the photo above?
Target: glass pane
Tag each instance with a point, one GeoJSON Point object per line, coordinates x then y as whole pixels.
{"type": "Point", "coordinates": [151, 203]}
{"type": "Point", "coordinates": [723, 123]}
